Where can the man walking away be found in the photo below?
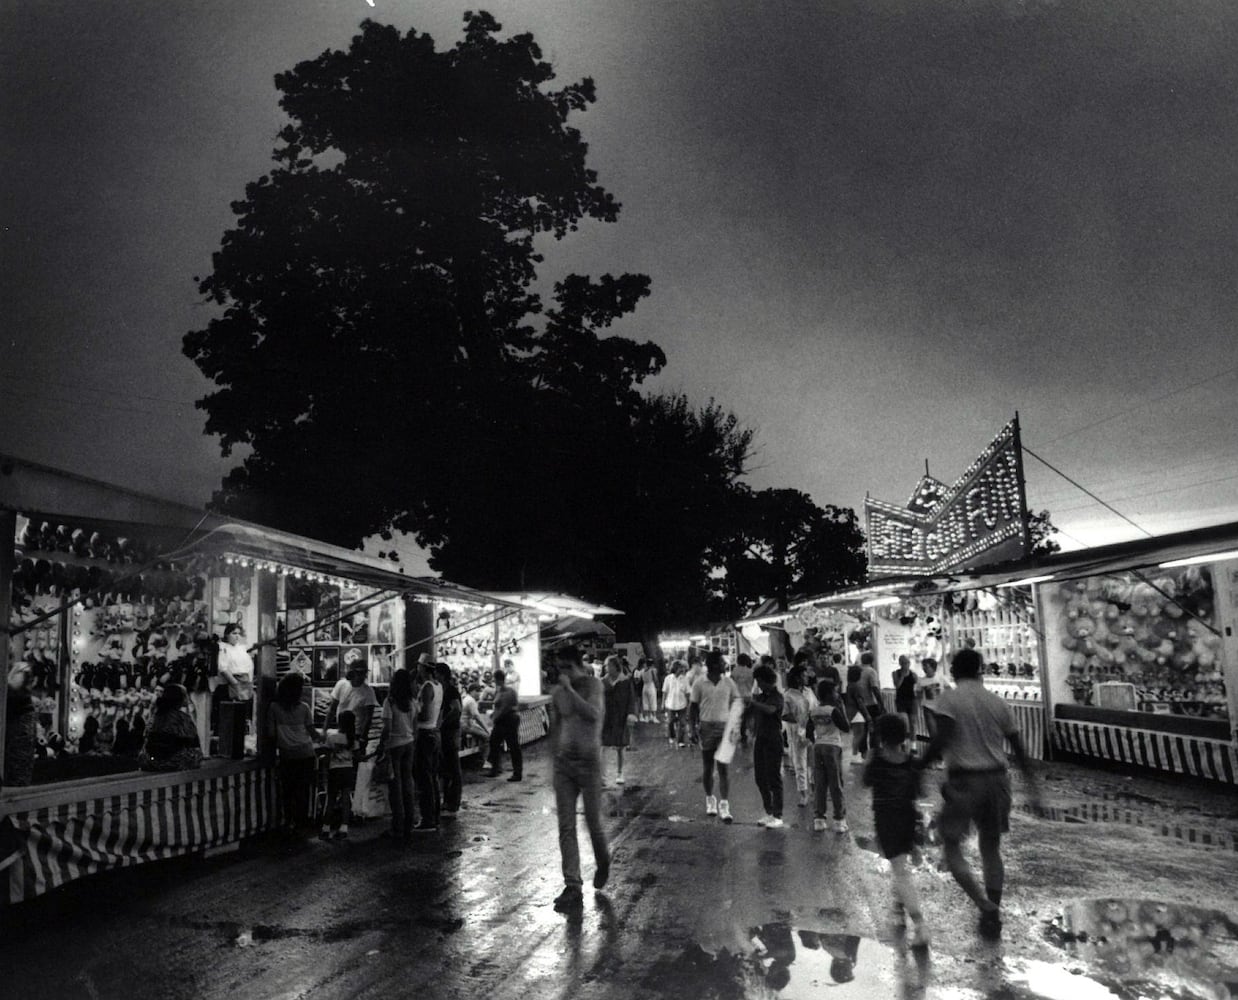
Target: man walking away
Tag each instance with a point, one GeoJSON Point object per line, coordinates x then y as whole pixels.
{"type": "Point", "coordinates": [972, 726]}
{"type": "Point", "coordinates": [505, 729]}
{"type": "Point", "coordinates": [576, 711]}
{"type": "Point", "coordinates": [709, 707]}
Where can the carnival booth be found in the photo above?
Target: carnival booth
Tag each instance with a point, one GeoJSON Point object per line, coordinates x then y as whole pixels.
{"type": "Point", "coordinates": [1141, 656]}
{"type": "Point", "coordinates": [110, 595]}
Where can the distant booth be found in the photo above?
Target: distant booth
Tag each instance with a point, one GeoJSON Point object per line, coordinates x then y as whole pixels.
{"type": "Point", "coordinates": [108, 595]}
{"type": "Point", "coordinates": [1125, 653]}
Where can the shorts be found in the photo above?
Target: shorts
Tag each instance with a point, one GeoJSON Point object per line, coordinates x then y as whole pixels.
{"type": "Point", "coordinates": [341, 779]}
{"type": "Point", "coordinates": [711, 735]}
{"type": "Point", "coordinates": [980, 797]}
{"type": "Point", "coordinates": [896, 829]}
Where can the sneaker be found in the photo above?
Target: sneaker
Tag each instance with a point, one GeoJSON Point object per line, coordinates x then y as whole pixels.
{"type": "Point", "coordinates": [682, 745]}
{"type": "Point", "coordinates": [619, 780]}
{"type": "Point", "coordinates": [990, 926]}
{"type": "Point", "coordinates": [724, 811]}
{"type": "Point", "coordinates": [840, 826]}
{"type": "Point", "coordinates": [819, 825]}
{"type": "Point", "coordinates": [571, 898]}
{"type": "Point", "coordinates": [711, 806]}
{"type": "Point", "coordinates": [775, 823]}
{"type": "Point", "coordinates": [426, 828]}
{"type": "Point", "coordinates": [919, 934]}
{"type": "Point", "coordinates": [670, 742]}
{"type": "Point", "coordinates": [601, 874]}
{"type": "Point", "coordinates": [342, 833]}
{"type": "Point", "coordinates": [765, 820]}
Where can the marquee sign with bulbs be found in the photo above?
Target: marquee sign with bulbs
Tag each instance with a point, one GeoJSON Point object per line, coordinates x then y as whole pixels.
{"type": "Point", "coordinates": [980, 520]}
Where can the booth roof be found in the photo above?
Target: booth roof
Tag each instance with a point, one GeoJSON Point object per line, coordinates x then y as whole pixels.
{"type": "Point", "coordinates": [571, 627]}
{"type": "Point", "coordinates": [560, 605]}
{"type": "Point", "coordinates": [1139, 553]}
{"type": "Point", "coordinates": [43, 493]}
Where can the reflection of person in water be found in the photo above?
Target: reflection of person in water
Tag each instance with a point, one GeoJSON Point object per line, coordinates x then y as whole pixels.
{"type": "Point", "coordinates": [776, 944]}
{"type": "Point", "coordinates": [844, 950]}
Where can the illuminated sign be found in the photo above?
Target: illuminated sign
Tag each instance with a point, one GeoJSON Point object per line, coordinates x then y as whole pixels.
{"type": "Point", "coordinates": [980, 520]}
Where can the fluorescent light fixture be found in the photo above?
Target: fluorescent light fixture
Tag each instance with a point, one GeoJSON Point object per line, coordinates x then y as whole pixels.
{"type": "Point", "coordinates": [1192, 560]}
{"type": "Point", "coordinates": [876, 602]}
{"type": "Point", "coordinates": [697, 638]}
{"type": "Point", "coordinates": [1024, 583]}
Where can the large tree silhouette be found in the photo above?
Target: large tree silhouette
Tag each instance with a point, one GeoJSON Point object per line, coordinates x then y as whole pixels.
{"type": "Point", "coordinates": [381, 351]}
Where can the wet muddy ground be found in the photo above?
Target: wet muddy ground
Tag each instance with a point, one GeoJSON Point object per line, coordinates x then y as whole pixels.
{"type": "Point", "coordinates": [1127, 889]}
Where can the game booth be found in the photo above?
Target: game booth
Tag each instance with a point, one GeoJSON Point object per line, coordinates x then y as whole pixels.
{"type": "Point", "coordinates": [109, 595]}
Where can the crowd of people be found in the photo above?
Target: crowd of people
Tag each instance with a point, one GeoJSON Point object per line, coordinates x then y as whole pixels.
{"type": "Point", "coordinates": [800, 717]}
{"type": "Point", "coordinates": [797, 717]}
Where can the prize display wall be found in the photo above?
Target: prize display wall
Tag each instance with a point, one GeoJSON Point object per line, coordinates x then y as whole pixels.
{"type": "Point", "coordinates": [474, 642]}
{"type": "Point", "coordinates": [102, 625]}
{"type": "Point", "coordinates": [1138, 642]}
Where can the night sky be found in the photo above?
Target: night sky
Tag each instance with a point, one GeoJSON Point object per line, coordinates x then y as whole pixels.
{"type": "Point", "coordinates": [875, 229]}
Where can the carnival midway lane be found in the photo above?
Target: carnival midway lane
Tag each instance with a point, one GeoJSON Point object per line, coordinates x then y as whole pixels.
{"type": "Point", "coordinates": [694, 908]}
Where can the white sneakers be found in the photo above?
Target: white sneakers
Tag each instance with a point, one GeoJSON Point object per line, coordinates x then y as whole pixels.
{"type": "Point", "coordinates": [840, 826]}
{"type": "Point", "coordinates": [819, 825]}
{"type": "Point", "coordinates": [724, 811]}
{"type": "Point", "coordinates": [773, 823]}
{"type": "Point", "coordinates": [619, 780]}
{"type": "Point", "coordinates": [711, 806]}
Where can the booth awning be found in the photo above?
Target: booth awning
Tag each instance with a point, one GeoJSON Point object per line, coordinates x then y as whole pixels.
{"type": "Point", "coordinates": [571, 629]}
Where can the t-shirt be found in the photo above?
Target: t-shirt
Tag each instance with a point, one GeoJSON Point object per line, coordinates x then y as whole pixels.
{"type": "Point", "coordinates": [470, 715]}
{"type": "Point", "coordinates": [240, 665]}
{"type": "Point", "coordinates": [930, 688]}
{"type": "Point", "coordinates": [767, 726]}
{"type": "Point", "coordinates": [869, 686]}
{"type": "Point", "coordinates": [341, 752]}
{"type": "Point", "coordinates": [905, 692]}
{"type": "Point", "coordinates": [982, 721]}
{"type": "Point", "coordinates": [799, 702]}
{"type": "Point", "coordinates": [400, 725]}
{"type": "Point", "coordinates": [829, 672]}
{"type": "Point", "coordinates": [714, 699]}
{"type": "Point", "coordinates": [895, 786]}
{"type": "Point", "coordinates": [505, 703]}
{"type": "Point", "coordinates": [675, 692]}
{"type": "Point", "coordinates": [825, 727]}
{"type": "Point", "coordinates": [292, 736]}
{"type": "Point", "coordinates": [352, 699]}
{"type": "Point", "coordinates": [742, 677]}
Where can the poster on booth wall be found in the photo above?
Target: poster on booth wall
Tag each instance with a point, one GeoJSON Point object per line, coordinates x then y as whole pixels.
{"type": "Point", "coordinates": [381, 666]}
{"type": "Point", "coordinates": [326, 666]}
{"type": "Point", "coordinates": [383, 622]}
{"type": "Point", "coordinates": [302, 661]}
{"type": "Point", "coordinates": [355, 627]}
{"type": "Point", "coordinates": [327, 616]}
{"type": "Point", "coordinates": [353, 654]}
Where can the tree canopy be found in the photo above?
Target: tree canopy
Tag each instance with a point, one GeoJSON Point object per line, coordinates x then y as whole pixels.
{"type": "Point", "coordinates": [382, 350]}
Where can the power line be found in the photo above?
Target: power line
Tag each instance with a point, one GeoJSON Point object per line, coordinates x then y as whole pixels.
{"type": "Point", "coordinates": [1153, 493]}
{"type": "Point", "coordinates": [78, 387]}
{"type": "Point", "coordinates": [1143, 404]}
{"type": "Point", "coordinates": [1107, 506]}
{"type": "Point", "coordinates": [37, 400]}
{"type": "Point", "coordinates": [1135, 480]}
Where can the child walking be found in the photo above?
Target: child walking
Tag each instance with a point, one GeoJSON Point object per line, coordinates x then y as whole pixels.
{"type": "Point", "coordinates": [341, 777]}
{"type": "Point", "coordinates": [827, 722]}
{"type": "Point", "coordinates": [895, 780]}
{"type": "Point", "coordinates": [767, 707]}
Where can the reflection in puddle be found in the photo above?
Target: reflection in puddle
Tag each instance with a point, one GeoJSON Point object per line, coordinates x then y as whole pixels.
{"type": "Point", "coordinates": [1191, 951]}
{"type": "Point", "coordinates": [795, 962]}
{"type": "Point", "coordinates": [1162, 825]}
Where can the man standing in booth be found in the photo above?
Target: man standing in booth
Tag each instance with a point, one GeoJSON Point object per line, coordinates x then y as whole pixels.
{"type": "Point", "coordinates": [505, 729]}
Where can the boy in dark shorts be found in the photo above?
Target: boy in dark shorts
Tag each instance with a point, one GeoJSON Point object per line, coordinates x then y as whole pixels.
{"type": "Point", "coordinates": [973, 727]}
{"type": "Point", "coordinates": [895, 781]}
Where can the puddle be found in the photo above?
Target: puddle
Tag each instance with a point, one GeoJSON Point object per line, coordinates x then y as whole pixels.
{"type": "Point", "coordinates": [1162, 825]}
{"type": "Point", "coordinates": [920, 858]}
{"type": "Point", "coordinates": [791, 963]}
{"type": "Point", "coordinates": [678, 819]}
{"type": "Point", "coordinates": [1154, 949]}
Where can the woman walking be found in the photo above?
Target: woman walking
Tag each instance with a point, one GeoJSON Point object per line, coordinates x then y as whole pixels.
{"type": "Point", "coordinates": [293, 728]}
{"type": "Point", "coordinates": [620, 701]}
{"type": "Point", "coordinates": [649, 692]}
{"type": "Point", "coordinates": [399, 732]}
{"type": "Point", "coordinates": [857, 711]}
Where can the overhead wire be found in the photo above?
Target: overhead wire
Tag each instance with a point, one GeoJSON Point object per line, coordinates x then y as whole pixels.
{"type": "Point", "coordinates": [1075, 482]}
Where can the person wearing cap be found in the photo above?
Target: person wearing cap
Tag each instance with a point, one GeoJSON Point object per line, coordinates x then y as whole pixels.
{"type": "Point", "coordinates": [352, 693]}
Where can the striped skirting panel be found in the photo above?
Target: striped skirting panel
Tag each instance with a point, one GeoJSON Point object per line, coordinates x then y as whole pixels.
{"type": "Point", "coordinates": [534, 722]}
{"type": "Point", "coordinates": [1029, 717]}
{"type": "Point", "coordinates": [1212, 759]}
{"type": "Point", "coordinates": [62, 842]}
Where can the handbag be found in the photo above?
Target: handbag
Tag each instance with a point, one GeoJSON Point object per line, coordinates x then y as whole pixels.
{"type": "Point", "coordinates": [382, 769]}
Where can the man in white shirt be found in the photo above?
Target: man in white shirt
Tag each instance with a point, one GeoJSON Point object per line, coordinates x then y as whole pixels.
{"type": "Point", "coordinates": [710, 706]}
{"type": "Point", "coordinates": [354, 694]}
{"type": "Point", "coordinates": [428, 747]}
{"type": "Point", "coordinates": [471, 719]}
